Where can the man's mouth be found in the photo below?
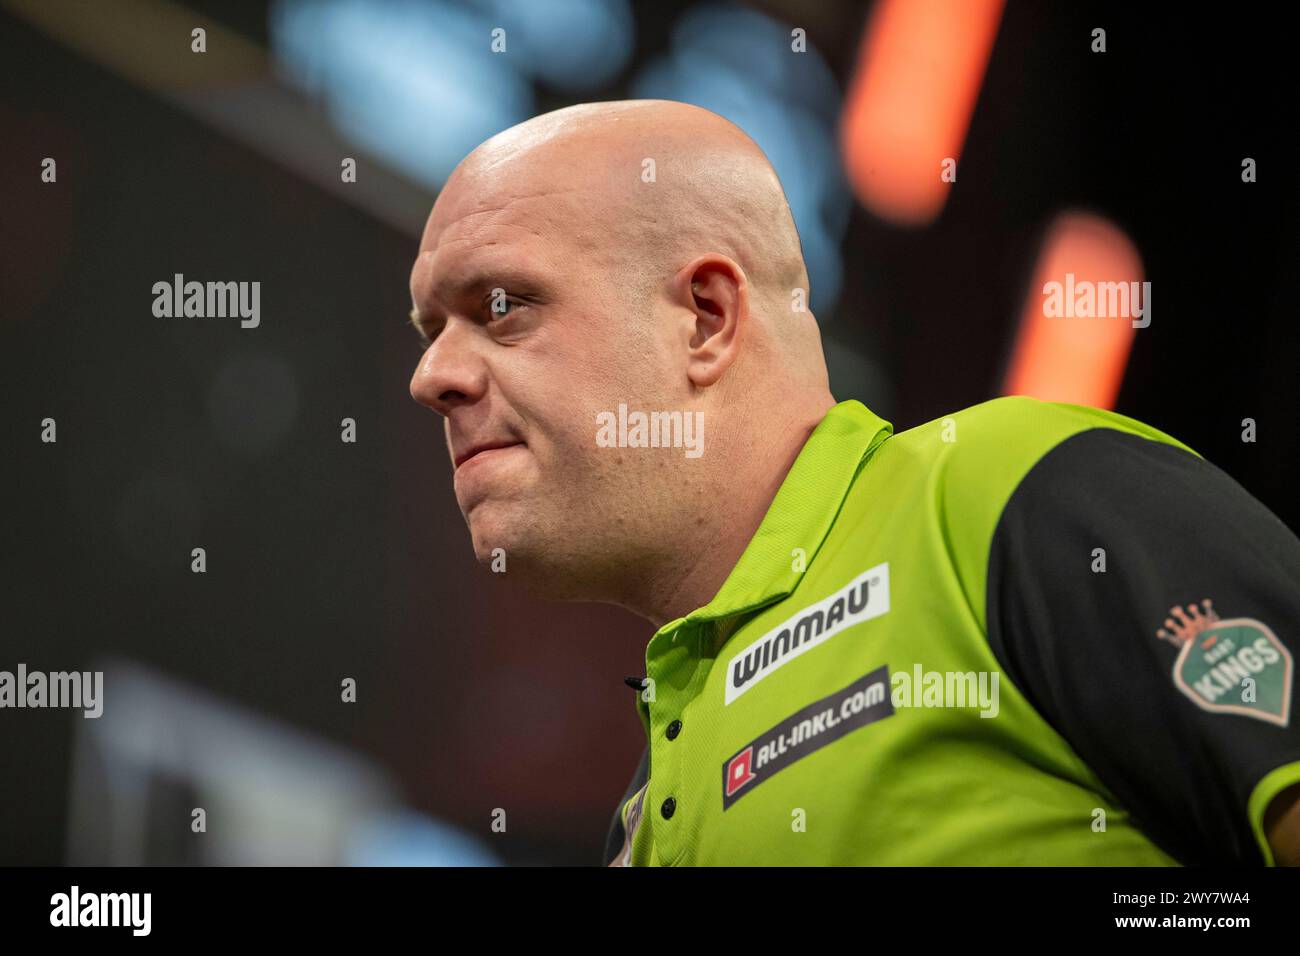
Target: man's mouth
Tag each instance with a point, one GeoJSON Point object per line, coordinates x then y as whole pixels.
{"type": "Point", "coordinates": [479, 448]}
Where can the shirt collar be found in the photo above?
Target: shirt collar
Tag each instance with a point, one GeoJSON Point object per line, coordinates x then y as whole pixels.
{"type": "Point", "coordinates": [801, 514]}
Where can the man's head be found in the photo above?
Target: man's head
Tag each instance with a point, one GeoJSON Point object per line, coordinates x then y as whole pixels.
{"type": "Point", "coordinates": [638, 253]}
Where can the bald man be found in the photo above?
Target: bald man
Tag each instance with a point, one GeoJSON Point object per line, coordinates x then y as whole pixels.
{"type": "Point", "coordinates": [870, 648]}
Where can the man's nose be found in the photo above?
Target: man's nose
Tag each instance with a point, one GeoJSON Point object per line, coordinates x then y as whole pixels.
{"type": "Point", "coordinates": [450, 372]}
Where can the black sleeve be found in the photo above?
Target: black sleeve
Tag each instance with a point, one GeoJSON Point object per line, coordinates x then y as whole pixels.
{"type": "Point", "coordinates": [614, 839]}
{"type": "Point", "coordinates": [1180, 713]}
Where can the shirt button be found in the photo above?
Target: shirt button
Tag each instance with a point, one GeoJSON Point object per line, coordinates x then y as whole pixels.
{"type": "Point", "coordinates": [674, 729]}
{"type": "Point", "coordinates": [669, 805]}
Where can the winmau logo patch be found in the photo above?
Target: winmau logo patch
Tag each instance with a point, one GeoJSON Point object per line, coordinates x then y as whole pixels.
{"type": "Point", "coordinates": [865, 597]}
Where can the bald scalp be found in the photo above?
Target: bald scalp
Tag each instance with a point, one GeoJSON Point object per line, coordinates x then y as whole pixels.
{"type": "Point", "coordinates": [712, 190]}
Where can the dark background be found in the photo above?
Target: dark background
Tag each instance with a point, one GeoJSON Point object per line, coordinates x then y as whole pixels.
{"type": "Point", "coordinates": [329, 560]}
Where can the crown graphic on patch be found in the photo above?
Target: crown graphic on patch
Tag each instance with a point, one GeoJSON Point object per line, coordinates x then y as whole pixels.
{"type": "Point", "coordinates": [1183, 626]}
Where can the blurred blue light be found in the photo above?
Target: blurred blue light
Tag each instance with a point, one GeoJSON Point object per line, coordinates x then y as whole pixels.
{"type": "Point", "coordinates": [406, 838]}
{"type": "Point", "coordinates": [573, 45]}
{"type": "Point", "coordinates": [414, 83]}
{"type": "Point", "coordinates": [758, 47]}
{"type": "Point", "coordinates": [738, 63]}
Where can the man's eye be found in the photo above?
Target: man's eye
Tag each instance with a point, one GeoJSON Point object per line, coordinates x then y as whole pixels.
{"type": "Point", "coordinates": [500, 306]}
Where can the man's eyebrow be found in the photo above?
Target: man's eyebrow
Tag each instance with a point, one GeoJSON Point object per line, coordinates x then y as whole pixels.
{"type": "Point", "coordinates": [484, 280]}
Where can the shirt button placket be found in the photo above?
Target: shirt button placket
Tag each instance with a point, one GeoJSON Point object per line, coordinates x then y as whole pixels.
{"type": "Point", "coordinates": [672, 662]}
{"type": "Point", "coordinates": [669, 806]}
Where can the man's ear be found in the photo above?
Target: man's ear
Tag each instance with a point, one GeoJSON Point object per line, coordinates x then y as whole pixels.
{"type": "Point", "coordinates": [714, 288]}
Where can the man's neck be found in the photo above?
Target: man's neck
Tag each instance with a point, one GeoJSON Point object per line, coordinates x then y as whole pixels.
{"type": "Point", "coordinates": [707, 552]}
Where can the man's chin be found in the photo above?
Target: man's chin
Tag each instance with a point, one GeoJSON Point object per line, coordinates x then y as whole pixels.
{"type": "Point", "coordinates": [526, 563]}
{"type": "Point", "coordinates": [497, 536]}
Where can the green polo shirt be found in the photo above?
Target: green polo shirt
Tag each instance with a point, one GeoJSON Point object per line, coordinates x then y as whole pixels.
{"type": "Point", "coordinates": [1008, 636]}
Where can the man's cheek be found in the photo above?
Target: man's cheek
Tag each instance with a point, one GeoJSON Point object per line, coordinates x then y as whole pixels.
{"type": "Point", "coordinates": [564, 451]}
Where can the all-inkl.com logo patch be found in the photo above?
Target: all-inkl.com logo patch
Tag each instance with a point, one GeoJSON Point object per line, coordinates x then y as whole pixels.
{"type": "Point", "coordinates": [864, 701]}
{"type": "Point", "coordinates": [1235, 666]}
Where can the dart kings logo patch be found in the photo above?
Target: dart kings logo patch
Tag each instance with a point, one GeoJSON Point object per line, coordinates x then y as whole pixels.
{"type": "Point", "coordinates": [1234, 666]}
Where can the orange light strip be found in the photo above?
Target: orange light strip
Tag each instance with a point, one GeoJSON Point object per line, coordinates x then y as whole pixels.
{"type": "Point", "coordinates": [1080, 314]}
{"type": "Point", "coordinates": [920, 67]}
